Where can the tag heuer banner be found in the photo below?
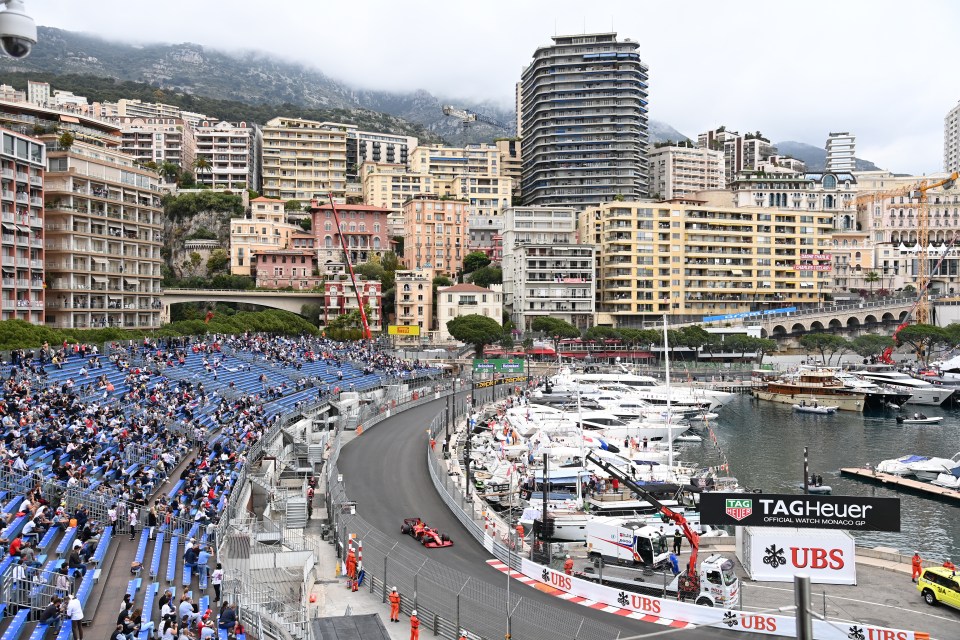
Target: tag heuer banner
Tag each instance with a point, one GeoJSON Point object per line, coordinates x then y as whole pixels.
{"type": "Point", "coordinates": [805, 511]}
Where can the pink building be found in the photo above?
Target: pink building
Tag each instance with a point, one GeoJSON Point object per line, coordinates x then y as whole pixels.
{"type": "Point", "coordinates": [339, 299]}
{"type": "Point", "coordinates": [363, 226]}
{"type": "Point", "coordinates": [281, 268]}
{"type": "Point", "coordinates": [435, 234]}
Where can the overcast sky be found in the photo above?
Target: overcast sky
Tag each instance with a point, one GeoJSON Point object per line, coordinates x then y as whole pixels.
{"type": "Point", "coordinates": [886, 71]}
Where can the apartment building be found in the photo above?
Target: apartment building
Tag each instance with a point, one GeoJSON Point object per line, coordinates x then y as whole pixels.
{"type": "Point", "coordinates": [779, 188]}
{"type": "Point", "coordinates": [756, 149]}
{"type": "Point", "coordinates": [104, 226]}
{"type": "Point", "coordinates": [695, 258]}
{"type": "Point", "coordinates": [486, 234]}
{"type": "Point", "coordinates": [340, 298]}
{"type": "Point", "coordinates": [731, 144]}
{"type": "Point", "coordinates": [951, 140]}
{"type": "Point", "coordinates": [38, 93]}
{"type": "Point", "coordinates": [364, 229]}
{"type": "Point", "coordinates": [841, 148]}
{"type": "Point", "coordinates": [22, 165]}
{"type": "Point", "coordinates": [385, 148]}
{"type": "Point", "coordinates": [584, 118]}
{"type": "Point", "coordinates": [265, 229]}
{"type": "Point", "coordinates": [893, 221]}
{"type": "Point", "coordinates": [282, 268]}
{"type": "Point", "coordinates": [511, 165]}
{"type": "Point", "coordinates": [9, 94]}
{"type": "Point", "coordinates": [233, 152]}
{"type": "Point", "coordinates": [678, 171]}
{"type": "Point", "coordinates": [467, 299]}
{"type": "Point", "coordinates": [414, 299]}
{"type": "Point", "coordinates": [546, 272]}
{"type": "Point", "coordinates": [471, 173]}
{"type": "Point", "coordinates": [390, 185]}
{"type": "Point", "coordinates": [158, 140]}
{"type": "Point", "coordinates": [139, 109]}
{"type": "Point", "coordinates": [435, 234]}
{"type": "Point", "coordinates": [304, 159]}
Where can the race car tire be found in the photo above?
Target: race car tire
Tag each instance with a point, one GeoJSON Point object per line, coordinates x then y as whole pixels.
{"type": "Point", "coordinates": [445, 537]}
{"type": "Point", "coordinates": [405, 529]}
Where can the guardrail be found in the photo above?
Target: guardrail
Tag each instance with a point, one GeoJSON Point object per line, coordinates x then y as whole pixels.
{"type": "Point", "coordinates": [448, 600]}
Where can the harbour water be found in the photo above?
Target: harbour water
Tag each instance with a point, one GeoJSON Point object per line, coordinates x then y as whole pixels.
{"type": "Point", "coordinates": [764, 442]}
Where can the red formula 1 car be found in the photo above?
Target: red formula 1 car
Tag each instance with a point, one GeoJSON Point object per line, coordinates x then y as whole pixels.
{"type": "Point", "coordinates": [428, 536]}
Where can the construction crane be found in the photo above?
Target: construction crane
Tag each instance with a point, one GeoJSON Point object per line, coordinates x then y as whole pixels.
{"type": "Point", "coordinates": [353, 277]}
{"type": "Point", "coordinates": [923, 239]}
{"type": "Point", "coordinates": [468, 117]}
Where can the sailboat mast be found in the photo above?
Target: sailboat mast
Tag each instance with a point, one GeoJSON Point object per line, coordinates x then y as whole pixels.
{"type": "Point", "coordinates": [666, 359]}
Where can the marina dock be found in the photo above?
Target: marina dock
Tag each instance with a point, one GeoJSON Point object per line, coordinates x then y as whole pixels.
{"type": "Point", "coordinates": [904, 484]}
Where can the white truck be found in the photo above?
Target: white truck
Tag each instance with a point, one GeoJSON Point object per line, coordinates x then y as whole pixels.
{"type": "Point", "coordinates": [711, 583]}
{"type": "Point", "coordinates": [626, 541]}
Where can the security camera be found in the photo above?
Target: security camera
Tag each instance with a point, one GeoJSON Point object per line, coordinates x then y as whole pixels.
{"type": "Point", "coordinates": [18, 31]}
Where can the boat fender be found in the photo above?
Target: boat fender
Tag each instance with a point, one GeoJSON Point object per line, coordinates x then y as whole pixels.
{"type": "Point", "coordinates": [758, 490]}
{"type": "Point", "coordinates": [900, 418]}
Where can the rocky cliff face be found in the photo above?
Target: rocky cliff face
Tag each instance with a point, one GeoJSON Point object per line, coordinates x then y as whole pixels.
{"type": "Point", "coordinates": [176, 234]}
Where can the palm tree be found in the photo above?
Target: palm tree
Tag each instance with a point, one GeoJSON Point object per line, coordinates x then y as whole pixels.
{"type": "Point", "coordinates": [201, 164]}
{"type": "Point", "coordinates": [169, 171]}
{"type": "Point", "coordinates": [871, 277]}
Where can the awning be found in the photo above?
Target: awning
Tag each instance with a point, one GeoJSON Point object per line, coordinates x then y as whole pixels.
{"type": "Point", "coordinates": [9, 227]}
{"type": "Point", "coordinates": [64, 118]}
{"type": "Point", "coordinates": [99, 279]}
{"type": "Point", "coordinates": [131, 281]}
{"type": "Point", "coordinates": [23, 229]}
{"type": "Point", "coordinates": [99, 260]}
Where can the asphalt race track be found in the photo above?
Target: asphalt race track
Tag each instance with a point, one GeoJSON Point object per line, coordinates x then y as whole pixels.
{"type": "Point", "coordinates": [385, 472]}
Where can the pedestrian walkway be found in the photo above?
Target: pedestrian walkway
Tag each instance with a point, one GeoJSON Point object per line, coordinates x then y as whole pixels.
{"type": "Point", "coordinates": [331, 596]}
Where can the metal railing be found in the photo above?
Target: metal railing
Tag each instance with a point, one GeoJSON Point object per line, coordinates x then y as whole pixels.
{"type": "Point", "coordinates": [446, 599]}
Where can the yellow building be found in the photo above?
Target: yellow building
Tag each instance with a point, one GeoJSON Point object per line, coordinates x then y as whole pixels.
{"type": "Point", "coordinates": [390, 185]}
{"type": "Point", "coordinates": [266, 229]}
{"type": "Point", "coordinates": [304, 159]}
{"type": "Point", "coordinates": [689, 259]}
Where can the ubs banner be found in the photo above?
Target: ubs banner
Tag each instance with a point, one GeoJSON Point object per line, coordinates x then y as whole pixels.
{"type": "Point", "coordinates": [804, 511]}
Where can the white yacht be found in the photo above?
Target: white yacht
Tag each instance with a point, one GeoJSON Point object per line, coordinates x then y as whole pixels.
{"type": "Point", "coordinates": [651, 389]}
{"type": "Point", "coordinates": [921, 391]}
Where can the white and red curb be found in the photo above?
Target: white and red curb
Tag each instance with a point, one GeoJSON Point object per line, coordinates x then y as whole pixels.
{"type": "Point", "coordinates": [592, 604]}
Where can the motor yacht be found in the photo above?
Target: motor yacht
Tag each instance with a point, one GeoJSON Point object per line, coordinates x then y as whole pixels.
{"type": "Point", "coordinates": [923, 467]}
{"type": "Point", "coordinates": [921, 391]}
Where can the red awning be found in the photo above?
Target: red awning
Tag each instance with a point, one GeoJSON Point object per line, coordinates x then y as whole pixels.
{"type": "Point", "coordinates": [541, 352]}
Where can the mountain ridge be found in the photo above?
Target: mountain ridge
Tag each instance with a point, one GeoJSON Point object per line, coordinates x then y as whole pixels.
{"type": "Point", "coordinates": [262, 81]}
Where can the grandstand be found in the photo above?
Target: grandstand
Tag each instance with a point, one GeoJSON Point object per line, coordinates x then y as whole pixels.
{"type": "Point", "coordinates": [168, 425]}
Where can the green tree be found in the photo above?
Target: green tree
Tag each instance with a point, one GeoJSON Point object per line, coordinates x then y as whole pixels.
{"type": "Point", "coordinates": [870, 344]}
{"type": "Point", "coordinates": [597, 332]}
{"type": "Point", "coordinates": [555, 329]}
{"type": "Point", "coordinates": [169, 171]}
{"type": "Point", "coordinates": [370, 271]}
{"type": "Point", "coordinates": [738, 343]}
{"type": "Point", "coordinates": [218, 261]}
{"type": "Point", "coordinates": [871, 278]}
{"type": "Point", "coordinates": [202, 165]}
{"type": "Point", "coordinates": [693, 337]}
{"type": "Point", "coordinates": [763, 346]}
{"type": "Point", "coordinates": [924, 338]}
{"type": "Point", "coordinates": [66, 140]}
{"type": "Point", "coordinates": [475, 260]}
{"type": "Point", "coordinates": [827, 344]}
{"type": "Point", "coordinates": [312, 312]}
{"type": "Point", "coordinates": [486, 276]}
{"type": "Point", "coordinates": [306, 224]}
{"type": "Point", "coordinates": [476, 330]}
{"type": "Point", "coordinates": [390, 261]}
{"type": "Point", "coordinates": [292, 205]}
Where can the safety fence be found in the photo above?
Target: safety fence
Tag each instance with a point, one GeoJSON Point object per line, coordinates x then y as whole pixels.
{"type": "Point", "coordinates": [446, 599]}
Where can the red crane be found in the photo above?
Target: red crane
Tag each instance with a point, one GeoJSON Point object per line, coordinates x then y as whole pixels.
{"type": "Point", "coordinates": [353, 277]}
{"type": "Point", "coordinates": [690, 583]}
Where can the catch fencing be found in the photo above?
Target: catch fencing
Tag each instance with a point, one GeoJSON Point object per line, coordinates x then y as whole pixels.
{"type": "Point", "coordinates": [446, 599]}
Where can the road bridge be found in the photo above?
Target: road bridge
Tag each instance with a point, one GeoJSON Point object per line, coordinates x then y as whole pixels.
{"type": "Point", "coordinates": [292, 301]}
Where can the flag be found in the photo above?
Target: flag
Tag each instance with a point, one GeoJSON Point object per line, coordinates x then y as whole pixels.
{"type": "Point", "coordinates": [209, 317]}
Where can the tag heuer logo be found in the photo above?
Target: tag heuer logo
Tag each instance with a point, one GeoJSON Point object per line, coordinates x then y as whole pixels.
{"type": "Point", "coordinates": [738, 509]}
